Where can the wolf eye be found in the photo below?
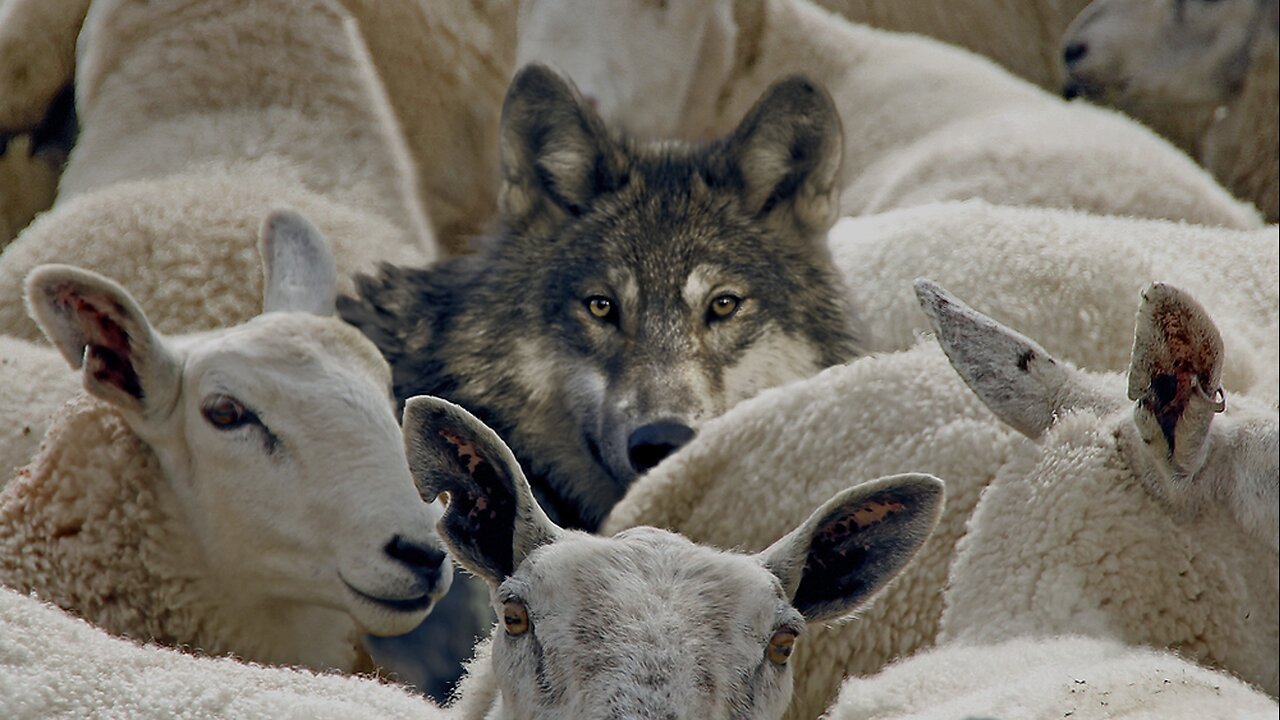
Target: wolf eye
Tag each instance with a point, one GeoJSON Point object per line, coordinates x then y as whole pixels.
{"type": "Point", "coordinates": [601, 307]}
{"type": "Point", "coordinates": [226, 413]}
{"type": "Point", "coordinates": [515, 618]}
{"type": "Point", "coordinates": [723, 307]}
{"type": "Point", "coordinates": [780, 646]}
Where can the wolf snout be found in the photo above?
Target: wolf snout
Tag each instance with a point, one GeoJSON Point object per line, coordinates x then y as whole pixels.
{"type": "Point", "coordinates": [424, 561]}
{"type": "Point", "coordinates": [649, 444]}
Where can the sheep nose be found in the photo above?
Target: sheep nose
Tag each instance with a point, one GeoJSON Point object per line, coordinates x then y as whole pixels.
{"type": "Point", "coordinates": [1072, 53]}
{"type": "Point", "coordinates": [650, 444]}
{"type": "Point", "coordinates": [423, 560]}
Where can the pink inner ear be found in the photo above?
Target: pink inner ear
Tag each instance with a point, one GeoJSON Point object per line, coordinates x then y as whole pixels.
{"type": "Point", "coordinates": [109, 357]}
{"type": "Point", "coordinates": [468, 455]}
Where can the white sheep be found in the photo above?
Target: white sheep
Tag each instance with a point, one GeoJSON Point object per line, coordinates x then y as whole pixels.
{"type": "Point", "coordinates": [445, 66]}
{"type": "Point", "coordinates": [1020, 35]}
{"type": "Point", "coordinates": [923, 121]}
{"type": "Point", "coordinates": [1206, 74]}
{"type": "Point", "coordinates": [752, 473]}
{"type": "Point", "coordinates": [1062, 677]}
{"type": "Point", "coordinates": [1149, 510]}
{"type": "Point", "coordinates": [1070, 276]}
{"type": "Point", "coordinates": [646, 623]}
{"type": "Point", "coordinates": [294, 117]}
{"type": "Point", "coordinates": [240, 491]}
{"type": "Point", "coordinates": [34, 383]}
{"type": "Point", "coordinates": [53, 665]}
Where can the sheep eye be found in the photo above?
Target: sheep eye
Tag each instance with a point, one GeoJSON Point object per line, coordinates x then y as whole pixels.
{"type": "Point", "coordinates": [225, 412]}
{"type": "Point", "coordinates": [601, 307]}
{"type": "Point", "coordinates": [780, 646]}
{"type": "Point", "coordinates": [723, 307]}
{"type": "Point", "coordinates": [515, 618]}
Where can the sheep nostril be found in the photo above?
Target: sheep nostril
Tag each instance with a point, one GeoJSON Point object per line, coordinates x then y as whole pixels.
{"type": "Point", "coordinates": [1072, 53]}
{"type": "Point", "coordinates": [651, 444]}
{"type": "Point", "coordinates": [423, 560]}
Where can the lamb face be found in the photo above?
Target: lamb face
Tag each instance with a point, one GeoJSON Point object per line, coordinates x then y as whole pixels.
{"type": "Point", "coordinates": [280, 449]}
{"type": "Point", "coordinates": [647, 624]}
{"type": "Point", "coordinates": [654, 69]}
{"type": "Point", "coordinates": [1147, 513]}
{"type": "Point", "coordinates": [1180, 52]}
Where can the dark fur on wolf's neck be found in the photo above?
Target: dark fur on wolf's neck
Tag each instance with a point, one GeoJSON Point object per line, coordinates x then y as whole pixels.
{"type": "Point", "coordinates": [630, 284]}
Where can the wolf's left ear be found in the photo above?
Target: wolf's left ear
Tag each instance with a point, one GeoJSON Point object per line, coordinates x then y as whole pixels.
{"type": "Point", "coordinates": [787, 152]}
{"type": "Point", "coordinates": [853, 545]}
{"type": "Point", "coordinates": [556, 151]}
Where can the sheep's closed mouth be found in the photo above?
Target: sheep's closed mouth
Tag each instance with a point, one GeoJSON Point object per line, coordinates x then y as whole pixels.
{"type": "Point", "coordinates": [407, 605]}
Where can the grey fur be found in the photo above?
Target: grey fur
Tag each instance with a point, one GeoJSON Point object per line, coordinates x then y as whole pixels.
{"type": "Point", "coordinates": [507, 334]}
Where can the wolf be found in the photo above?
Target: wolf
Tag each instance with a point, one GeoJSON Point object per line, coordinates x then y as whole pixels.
{"type": "Point", "coordinates": [633, 291]}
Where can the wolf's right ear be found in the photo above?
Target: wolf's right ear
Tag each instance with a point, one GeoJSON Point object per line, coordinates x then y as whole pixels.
{"type": "Point", "coordinates": [787, 153]}
{"type": "Point", "coordinates": [491, 521]}
{"type": "Point", "coordinates": [556, 151]}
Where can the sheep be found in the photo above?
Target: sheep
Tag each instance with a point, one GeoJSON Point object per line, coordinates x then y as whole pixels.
{"type": "Point", "coordinates": [1069, 275]}
{"type": "Point", "coordinates": [34, 383]}
{"type": "Point", "coordinates": [1074, 677]}
{"type": "Point", "coordinates": [27, 186]}
{"type": "Point", "coordinates": [445, 67]}
{"type": "Point", "coordinates": [753, 472]}
{"type": "Point", "coordinates": [1203, 73]}
{"type": "Point", "coordinates": [924, 122]}
{"type": "Point", "coordinates": [645, 623]}
{"type": "Point", "coordinates": [54, 665]}
{"type": "Point", "coordinates": [1140, 515]}
{"type": "Point", "coordinates": [294, 117]}
{"type": "Point", "coordinates": [240, 491]}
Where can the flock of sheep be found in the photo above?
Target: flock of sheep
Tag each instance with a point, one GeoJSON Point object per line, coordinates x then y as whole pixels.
{"type": "Point", "coordinates": [1109, 539]}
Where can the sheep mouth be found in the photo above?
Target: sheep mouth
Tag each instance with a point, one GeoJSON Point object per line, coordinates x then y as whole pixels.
{"type": "Point", "coordinates": [402, 605]}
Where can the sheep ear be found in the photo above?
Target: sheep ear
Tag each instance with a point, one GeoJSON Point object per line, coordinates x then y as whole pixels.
{"type": "Point", "coordinates": [855, 543]}
{"type": "Point", "coordinates": [1175, 377]}
{"type": "Point", "coordinates": [1021, 383]}
{"type": "Point", "coordinates": [299, 272]}
{"type": "Point", "coordinates": [556, 152]}
{"type": "Point", "coordinates": [786, 153]}
{"type": "Point", "coordinates": [98, 326]}
{"type": "Point", "coordinates": [491, 521]}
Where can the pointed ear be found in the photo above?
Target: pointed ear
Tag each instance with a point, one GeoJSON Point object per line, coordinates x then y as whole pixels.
{"type": "Point", "coordinates": [299, 273]}
{"type": "Point", "coordinates": [1175, 377]}
{"type": "Point", "coordinates": [787, 153]}
{"type": "Point", "coordinates": [855, 543]}
{"type": "Point", "coordinates": [556, 151]}
{"type": "Point", "coordinates": [491, 522]}
{"type": "Point", "coordinates": [1021, 383]}
{"type": "Point", "coordinates": [96, 325]}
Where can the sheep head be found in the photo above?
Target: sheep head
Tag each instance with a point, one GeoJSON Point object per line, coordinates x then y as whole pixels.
{"type": "Point", "coordinates": [278, 441]}
{"type": "Point", "coordinates": [646, 623]}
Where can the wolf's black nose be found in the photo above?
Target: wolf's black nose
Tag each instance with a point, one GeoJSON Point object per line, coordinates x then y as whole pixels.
{"type": "Point", "coordinates": [1073, 52]}
{"type": "Point", "coordinates": [649, 444]}
{"type": "Point", "coordinates": [423, 560]}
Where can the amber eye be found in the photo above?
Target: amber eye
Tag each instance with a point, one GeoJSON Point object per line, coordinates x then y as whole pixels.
{"type": "Point", "coordinates": [723, 306]}
{"type": "Point", "coordinates": [780, 646]}
{"type": "Point", "coordinates": [600, 307]}
{"type": "Point", "coordinates": [515, 618]}
{"type": "Point", "coordinates": [225, 412]}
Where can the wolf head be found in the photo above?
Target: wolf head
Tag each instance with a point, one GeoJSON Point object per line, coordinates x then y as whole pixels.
{"type": "Point", "coordinates": [635, 291]}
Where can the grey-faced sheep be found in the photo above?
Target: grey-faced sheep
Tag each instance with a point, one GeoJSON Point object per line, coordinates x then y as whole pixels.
{"type": "Point", "coordinates": [1148, 510]}
{"type": "Point", "coordinates": [1205, 73]}
{"type": "Point", "coordinates": [646, 623]}
{"type": "Point", "coordinates": [241, 491]}
{"type": "Point", "coordinates": [924, 121]}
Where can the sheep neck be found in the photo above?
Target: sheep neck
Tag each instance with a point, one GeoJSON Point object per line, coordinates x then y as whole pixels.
{"type": "Point", "coordinates": [1240, 147]}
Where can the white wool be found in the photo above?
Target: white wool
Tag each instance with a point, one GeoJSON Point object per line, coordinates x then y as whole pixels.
{"type": "Point", "coordinates": [1061, 677]}
{"type": "Point", "coordinates": [34, 382]}
{"type": "Point", "coordinates": [1069, 280]}
{"type": "Point", "coordinates": [294, 116]}
{"type": "Point", "coordinates": [923, 121]}
{"type": "Point", "coordinates": [754, 472]}
{"type": "Point", "coordinates": [55, 666]}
